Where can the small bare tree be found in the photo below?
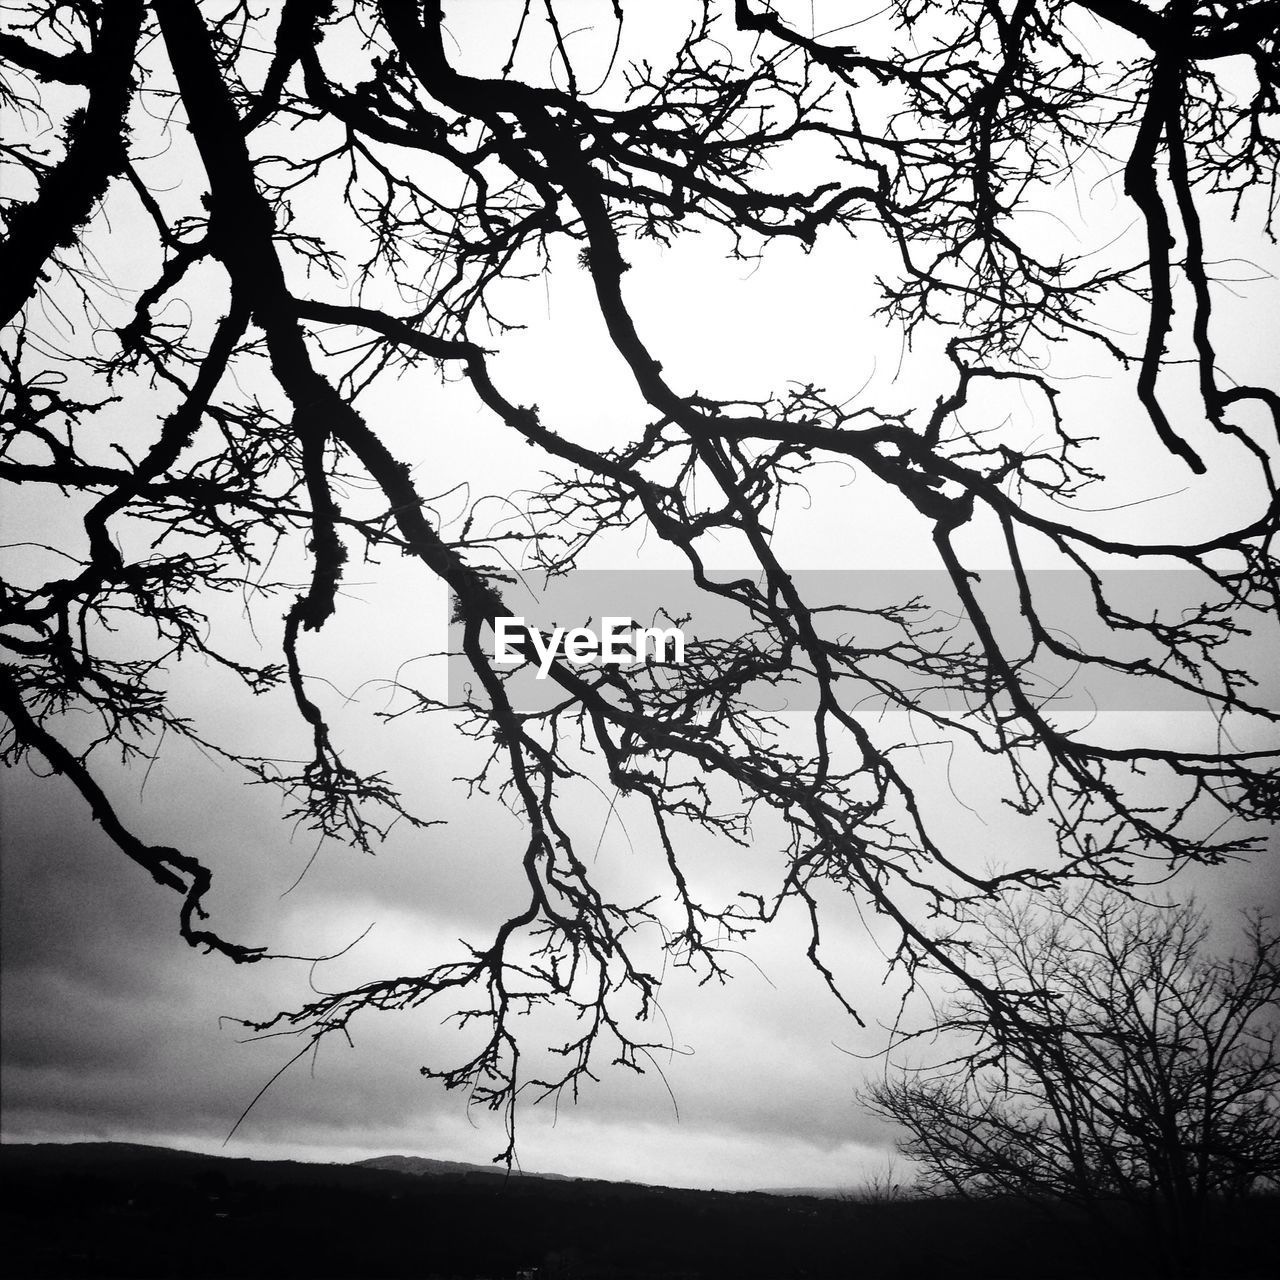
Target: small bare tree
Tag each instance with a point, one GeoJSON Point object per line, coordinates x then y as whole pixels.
{"type": "Point", "coordinates": [1137, 1069]}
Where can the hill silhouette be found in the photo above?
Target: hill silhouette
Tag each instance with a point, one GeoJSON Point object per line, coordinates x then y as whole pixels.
{"type": "Point", "coordinates": [111, 1210]}
{"type": "Point", "coordinates": [425, 1166]}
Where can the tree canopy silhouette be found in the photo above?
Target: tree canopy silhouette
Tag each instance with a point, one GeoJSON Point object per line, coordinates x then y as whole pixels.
{"type": "Point", "coordinates": [244, 241]}
{"type": "Point", "coordinates": [1145, 1072]}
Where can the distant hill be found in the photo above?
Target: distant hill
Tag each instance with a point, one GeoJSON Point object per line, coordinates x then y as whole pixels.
{"type": "Point", "coordinates": [114, 1211]}
{"type": "Point", "coordinates": [88, 1154]}
{"type": "Point", "coordinates": [426, 1166]}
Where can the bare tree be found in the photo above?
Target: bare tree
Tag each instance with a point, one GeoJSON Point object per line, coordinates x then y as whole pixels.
{"type": "Point", "coordinates": [1139, 1070]}
{"type": "Point", "coordinates": [232, 228]}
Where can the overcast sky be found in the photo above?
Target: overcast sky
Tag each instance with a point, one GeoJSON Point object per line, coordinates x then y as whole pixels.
{"type": "Point", "coordinates": [111, 1025]}
{"type": "Point", "coordinates": [114, 1029]}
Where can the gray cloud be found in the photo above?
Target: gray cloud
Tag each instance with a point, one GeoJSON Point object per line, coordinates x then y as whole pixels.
{"type": "Point", "coordinates": [111, 1026]}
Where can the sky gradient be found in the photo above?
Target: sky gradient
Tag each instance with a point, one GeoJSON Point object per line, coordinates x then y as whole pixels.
{"type": "Point", "coordinates": [113, 1029]}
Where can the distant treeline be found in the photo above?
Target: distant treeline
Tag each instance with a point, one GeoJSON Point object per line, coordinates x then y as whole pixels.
{"type": "Point", "coordinates": [108, 1211]}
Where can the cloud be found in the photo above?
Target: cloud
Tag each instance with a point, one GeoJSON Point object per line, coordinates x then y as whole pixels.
{"type": "Point", "coordinates": [112, 1027]}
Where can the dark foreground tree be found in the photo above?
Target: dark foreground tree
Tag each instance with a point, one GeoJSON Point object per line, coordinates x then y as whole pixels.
{"type": "Point", "coordinates": [1142, 1071]}
{"type": "Point", "coordinates": [247, 245]}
